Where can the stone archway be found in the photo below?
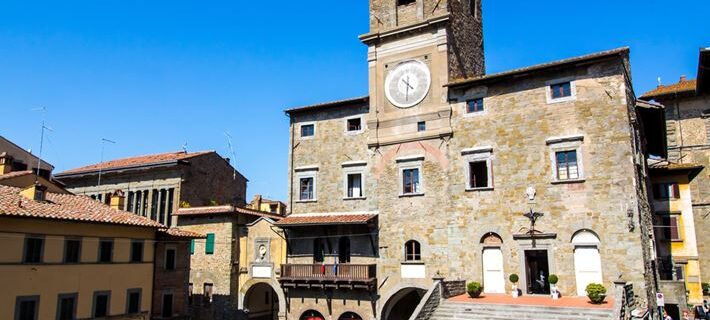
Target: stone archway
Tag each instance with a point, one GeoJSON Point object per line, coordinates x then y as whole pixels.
{"type": "Point", "coordinates": [402, 304]}
{"type": "Point", "coordinates": [254, 294]}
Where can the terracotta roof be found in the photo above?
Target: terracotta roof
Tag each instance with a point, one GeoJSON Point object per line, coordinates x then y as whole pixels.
{"type": "Point", "coordinates": [67, 207]}
{"type": "Point", "coordinates": [325, 219]}
{"type": "Point", "coordinates": [540, 67]}
{"type": "Point", "coordinates": [226, 209]}
{"type": "Point", "coordinates": [15, 174]}
{"type": "Point", "coordinates": [331, 104]}
{"type": "Point", "coordinates": [180, 233]}
{"type": "Point", "coordinates": [683, 86]}
{"type": "Point", "coordinates": [133, 162]}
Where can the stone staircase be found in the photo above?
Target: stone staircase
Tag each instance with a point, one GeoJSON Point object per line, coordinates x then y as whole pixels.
{"type": "Point", "coordinates": [449, 310]}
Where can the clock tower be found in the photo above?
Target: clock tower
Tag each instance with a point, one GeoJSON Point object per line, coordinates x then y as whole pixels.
{"type": "Point", "coordinates": [416, 47]}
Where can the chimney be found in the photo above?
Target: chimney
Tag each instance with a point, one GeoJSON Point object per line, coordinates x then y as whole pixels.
{"type": "Point", "coordinates": [683, 78]}
{"type": "Point", "coordinates": [5, 163]}
{"type": "Point", "coordinates": [36, 192]}
{"type": "Point", "coordinates": [118, 200]}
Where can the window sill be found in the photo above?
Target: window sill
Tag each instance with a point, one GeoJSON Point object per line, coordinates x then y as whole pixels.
{"type": "Point", "coordinates": [354, 198]}
{"type": "Point", "coordinates": [561, 100]}
{"type": "Point", "coordinates": [409, 195]}
{"type": "Point", "coordinates": [479, 189]}
{"type": "Point", "coordinates": [413, 263]}
{"type": "Point", "coordinates": [569, 181]}
{"type": "Point", "coordinates": [354, 133]}
{"type": "Point", "coordinates": [306, 201]}
{"type": "Point", "coordinates": [474, 114]}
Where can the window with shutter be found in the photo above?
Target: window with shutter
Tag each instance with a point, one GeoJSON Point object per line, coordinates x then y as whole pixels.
{"type": "Point", "coordinates": [209, 244]}
{"type": "Point", "coordinates": [192, 246]}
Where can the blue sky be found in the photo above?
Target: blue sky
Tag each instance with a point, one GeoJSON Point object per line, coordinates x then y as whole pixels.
{"type": "Point", "coordinates": [152, 75]}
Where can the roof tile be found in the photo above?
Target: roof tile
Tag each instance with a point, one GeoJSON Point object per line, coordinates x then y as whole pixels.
{"type": "Point", "coordinates": [685, 86]}
{"type": "Point", "coordinates": [324, 219]}
{"type": "Point", "coordinates": [135, 161]}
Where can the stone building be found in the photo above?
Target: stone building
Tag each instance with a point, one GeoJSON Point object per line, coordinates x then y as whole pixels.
{"type": "Point", "coordinates": [234, 269]}
{"type": "Point", "coordinates": [15, 158]}
{"type": "Point", "coordinates": [262, 204]}
{"type": "Point", "coordinates": [157, 185]}
{"type": "Point", "coordinates": [431, 173]}
{"type": "Point", "coordinates": [687, 126]}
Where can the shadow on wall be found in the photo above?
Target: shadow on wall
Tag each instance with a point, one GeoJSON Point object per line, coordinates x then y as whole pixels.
{"type": "Point", "coordinates": [220, 308]}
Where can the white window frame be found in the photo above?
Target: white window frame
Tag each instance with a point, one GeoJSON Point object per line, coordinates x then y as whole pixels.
{"type": "Point", "coordinates": [355, 132]}
{"type": "Point", "coordinates": [304, 173]}
{"type": "Point", "coordinates": [572, 88]}
{"type": "Point", "coordinates": [467, 114]}
{"type": "Point", "coordinates": [406, 163]}
{"type": "Point", "coordinates": [479, 154]}
{"type": "Point", "coordinates": [563, 144]}
{"type": "Point", "coordinates": [354, 167]}
{"type": "Point", "coordinates": [300, 133]}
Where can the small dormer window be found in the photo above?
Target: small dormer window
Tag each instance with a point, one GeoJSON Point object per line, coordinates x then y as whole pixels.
{"type": "Point", "coordinates": [405, 2]}
{"type": "Point", "coordinates": [40, 193]}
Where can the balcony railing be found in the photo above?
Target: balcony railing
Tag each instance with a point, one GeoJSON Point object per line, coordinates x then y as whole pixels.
{"type": "Point", "coordinates": [328, 273]}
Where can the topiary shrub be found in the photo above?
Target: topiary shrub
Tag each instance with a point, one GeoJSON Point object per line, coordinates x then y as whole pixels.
{"type": "Point", "coordinates": [596, 293]}
{"type": "Point", "coordinates": [553, 279]}
{"type": "Point", "coordinates": [514, 278]}
{"type": "Point", "coordinates": [474, 289]}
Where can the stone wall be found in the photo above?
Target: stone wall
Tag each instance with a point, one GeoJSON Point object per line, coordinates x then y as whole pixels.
{"type": "Point", "coordinates": [211, 178]}
{"type": "Point", "coordinates": [453, 288]}
{"type": "Point", "coordinates": [466, 59]}
{"type": "Point", "coordinates": [429, 303]}
{"type": "Point", "coordinates": [175, 281]}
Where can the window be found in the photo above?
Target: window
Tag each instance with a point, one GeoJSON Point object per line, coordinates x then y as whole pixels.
{"type": "Point", "coordinates": [66, 306]}
{"type": "Point", "coordinates": [473, 8]}
{"type": "Point", "coordinates": [318, 250]}
{"type": "Point", "coordinates": [344, 250]}
{"type": "Point", "coordinates": [34, 247]}
{"type": "Point", "coordinates": [410, 182]}
{"type": "Point", "coordinates": [129, 201]}
{"type": "Point", "coordinates": [207, 292]}
{"type": "Point", "coordinates": [668, 227]}
{"type": "Point", "coordinates": [154, 205]}
{"type": "Point", "coordinates": [354, 185]}
{"type": "Point", "coordinates": [189, 293]}
{"type": "Point", "coordinates": [567, 168]}
{"type": "Point", "coordinates": [354, 125]}
{"type": "Point", "coordinates": [27, 308]}
{"type": "Point", "coordinates": [421, 126]}
{"type": "Point", "coordinates": [72, 250]}
{"type": "Point", "coordinates": [209, 244]}
{"type": "Point", "coordinates": [167, 310]}
{"type": "Point", "coordinates": [478, 174]}
{"type": "Point", "coordinates": [133, 301]}
{"type": "Point", "coordinates": [412, 251]}
{"type": "Point", "coordinates": [405, 2]}
{"type": "Point", "coordinates": [105, 251]}
{"type": "Point", "coordinates": [136, 251]}
{"type": "Point", "coordinates": [306, 188]}
{"type": "Point", "coordinates": [308, 130]}
{"type": "Point", "coordinates": [274, 208]}
{"type": "Point", "coordinates": [665, 191]}
{"type": "Point", "coordinates": [102, 299]}
{"type": "Point", "coordinates": [170, 259]}
{"type": "Point", "coordinates": [475, 105]}
{"type": "Point", "coordinates": [561, 90]}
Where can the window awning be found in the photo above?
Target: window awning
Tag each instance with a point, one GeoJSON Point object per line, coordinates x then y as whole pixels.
{"type": "Point", "coordinates": [311, 219]}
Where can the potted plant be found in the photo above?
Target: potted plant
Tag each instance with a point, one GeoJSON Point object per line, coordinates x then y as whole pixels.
{"type": "Point", "coordinates": [474, 289]}
{"type": "Point", "coordinates": [514, 279]}
{"type": "Point", "coordinates": [596, 293]}
{"type": "Point", "coordinates": [553, 279]}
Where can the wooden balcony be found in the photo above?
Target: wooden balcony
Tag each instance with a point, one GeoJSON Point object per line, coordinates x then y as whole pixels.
{"type": "Point", "coordinates": [352, 276]}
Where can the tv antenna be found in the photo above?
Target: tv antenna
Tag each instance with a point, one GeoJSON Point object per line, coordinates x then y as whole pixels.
{"type": "Point", "coordinates": [103, 144]}
{"type": "Point", "coordinates": [43, 110]}
{"type": "Point", "coordinates": [231, 153]}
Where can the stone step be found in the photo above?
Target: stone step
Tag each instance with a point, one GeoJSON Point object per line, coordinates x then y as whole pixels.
{"type": "Point", "coordinates": [470, 311]}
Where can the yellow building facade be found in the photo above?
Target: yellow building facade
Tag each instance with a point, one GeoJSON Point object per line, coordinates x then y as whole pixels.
{"type": "Point", "coordinates": [69, 257]}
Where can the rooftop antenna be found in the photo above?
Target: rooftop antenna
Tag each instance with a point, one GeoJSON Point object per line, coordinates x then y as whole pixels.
{"type": "Point", "coordinates": [103, 144]}
{"type": "Point", "coordinates": [231, 150]}
{"type": "Point", "coordinates": [41, 140]}
{"type": "Point", "coordinates": [184, 147]}
{"type": "Point", "coordinates": [659, 81]}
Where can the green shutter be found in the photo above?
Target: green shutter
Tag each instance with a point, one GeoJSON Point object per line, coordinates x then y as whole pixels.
{"type": "Point", "coordinates": [209, 246]}
{"type": "Point", "coordinates": [192, 246]}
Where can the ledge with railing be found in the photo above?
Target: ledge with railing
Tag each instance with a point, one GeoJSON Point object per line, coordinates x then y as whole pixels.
{"type": "Point", "coordinates": [329, 275]}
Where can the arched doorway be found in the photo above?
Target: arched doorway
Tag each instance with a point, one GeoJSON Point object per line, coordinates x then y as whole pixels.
{"type": "Point", "coordinates": [402, 304]}
{"type": "Point", "coordinates": [261, 302]}
{"type": "Point", "coordinates": [587, 261]}
{"type": "Point", "coordinates": [349, 316]}
{"type": "Point", "coordinates": [493, 275]}
{"type": "Point", "coordinates": [312, 315]}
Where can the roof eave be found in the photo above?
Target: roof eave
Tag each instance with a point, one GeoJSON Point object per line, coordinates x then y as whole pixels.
{"type": "Point", "coordinates": [161, 164]}
{"type": "Point", "coordinates": [327, 105]}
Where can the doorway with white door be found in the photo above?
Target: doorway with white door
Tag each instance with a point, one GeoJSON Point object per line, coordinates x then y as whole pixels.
{"type": "Point", "coordinates": [493, 274]}
{"type": "Point", "coordinates": [587, 260]}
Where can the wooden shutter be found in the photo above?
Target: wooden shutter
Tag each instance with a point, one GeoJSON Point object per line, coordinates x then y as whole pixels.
{"type": "Point", "coordinates": [192, 246]}
{"type": "Point", "coordinates": [209, 245]}
{"type": "Point", "coordinates": [676, 191]}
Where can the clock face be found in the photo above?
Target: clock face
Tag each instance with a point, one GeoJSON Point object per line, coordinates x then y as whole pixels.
{"type": "Point", "coordinates": [408, 83]}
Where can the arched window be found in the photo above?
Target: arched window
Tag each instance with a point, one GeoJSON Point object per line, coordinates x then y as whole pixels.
{"type": "Point", "coordinates": [344, 250]}
{"type": "Point", "coordinates": [412, 251]}
{"type": "Point", "coordinates": [350, 316]}
{"type": "Point", "coordinates": [312, 315]}
{"type": "Point", "coordinates": [318, 250]}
